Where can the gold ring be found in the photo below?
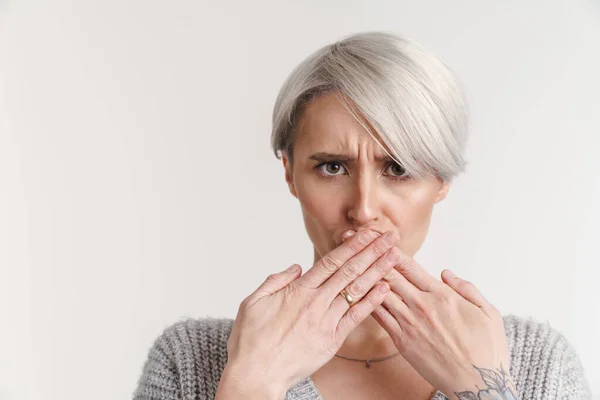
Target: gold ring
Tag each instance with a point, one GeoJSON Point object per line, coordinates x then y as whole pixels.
{"type": "Point", "coordinates": [348, 297]}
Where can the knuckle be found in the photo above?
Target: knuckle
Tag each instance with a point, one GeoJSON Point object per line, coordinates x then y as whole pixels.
{"type": "Point", "coordinates": [294, 290]}
{"type": "Point", "coordinates": [274, 278]}
{"type": "Point", "coordinates": [355, 246]}
{"type": "Point", "coordinates": [407, 265]}
{"type": "Point", "coordinates": [350, 270]}
{"type": "Point", "coordinates": [381, 313]}
{"type": "Point", "coordinates": [329, 264]}
{"type": "Point", "coordinates": [379, 249]}
{"type": "Point", "coordinates": [355, 289]}
{"type": "Point", "coordinates": [391, 275]}
{"type": "Point", "coordinates": [354, 315]}
{"type": "Point", "coordinates": [383, 265]}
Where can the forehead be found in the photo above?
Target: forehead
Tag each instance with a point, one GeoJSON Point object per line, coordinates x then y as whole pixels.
{"type": "Point", "coordinates": [326, 124]}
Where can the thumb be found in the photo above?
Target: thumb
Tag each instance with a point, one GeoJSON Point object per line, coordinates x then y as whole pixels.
{"type": "Point", "coordinates": [278, 281]}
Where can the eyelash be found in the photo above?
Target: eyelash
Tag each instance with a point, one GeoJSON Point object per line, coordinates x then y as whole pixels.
{"type": "Point", "coordinates": [318, 168]}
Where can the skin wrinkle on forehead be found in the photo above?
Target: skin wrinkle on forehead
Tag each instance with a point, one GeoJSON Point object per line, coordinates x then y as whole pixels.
{"type": "Point", "coordinates": [343, 140]}
{"type": "Point", "coordinates": [325, 156]}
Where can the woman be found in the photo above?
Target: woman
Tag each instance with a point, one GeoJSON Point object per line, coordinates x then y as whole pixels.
{"type": "Point", "coordinates": [371, 131]}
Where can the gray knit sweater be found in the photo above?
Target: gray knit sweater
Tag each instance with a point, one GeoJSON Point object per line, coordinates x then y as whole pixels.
{"type": "Point", "coordinates": [186, 362]}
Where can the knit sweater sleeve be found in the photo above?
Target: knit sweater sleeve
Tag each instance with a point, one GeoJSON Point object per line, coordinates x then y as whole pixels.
{"type": "Point", "coordinates": [544, 364]}
{"type": "Point", "coordinates": [186, 361]}
{"type": "Point", "coordinates": [573, 384]}
{"type": "Point", "coordinates": [159, 379]}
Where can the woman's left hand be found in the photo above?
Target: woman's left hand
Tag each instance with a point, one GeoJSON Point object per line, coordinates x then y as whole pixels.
{"type": "Point", "coordinates": [448, 332]}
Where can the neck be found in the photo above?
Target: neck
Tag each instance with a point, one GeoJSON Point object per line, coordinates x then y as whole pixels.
{"type": "Point", "coordinates": [368, 341]}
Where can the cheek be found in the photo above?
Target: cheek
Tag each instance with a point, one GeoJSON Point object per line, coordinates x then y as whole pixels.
{"type": "Point", "coordinates": [412, 218]}
{"type": "Point", "coordinates": [320, 211]}
{"type": "Point", "coordinates": [318, 205]}
{"type": "Point", "coordinates": [419, 211]}
{"type": "Point", "coordinates": [418, 203]}
{"type": "Point", "coordinates": [316, 198]}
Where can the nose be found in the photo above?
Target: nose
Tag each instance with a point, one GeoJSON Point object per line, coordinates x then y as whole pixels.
{"type": "Point", "coordinates": [363, 208]}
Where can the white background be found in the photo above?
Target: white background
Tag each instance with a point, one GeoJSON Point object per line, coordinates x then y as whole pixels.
{"type": "Point", "coordinates": [137, 185]}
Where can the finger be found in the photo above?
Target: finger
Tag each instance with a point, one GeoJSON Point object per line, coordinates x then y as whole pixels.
{"type": "Point", "coordinates": [400, 286]}
{"type": "Point", "coordinates": [331, 262]}
{"type": "Point", "coordinates": [387, 321]}
{"type": "Point", "coordinates": [466, 289]}
{"type": "Point", "coordinates": [347, 235]}
{"type": "Point", "coordinates": [396, 306]}
{"type": "Point", "coordinates": [357, 265]}
{"type": "Point", "coordinates": [416, 274]}
{"type": "Point", "coordinates": [363, 284]}
{"type": "Point", "coordinates": [276, 282]}
{"type": "Point", "coordinates": [360, 311]}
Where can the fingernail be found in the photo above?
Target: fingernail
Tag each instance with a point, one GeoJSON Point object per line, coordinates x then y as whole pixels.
{"type": "Point", "coordinates": [390, 238]}
{"type": "Point", "coordinates": [347, 235]}
{"type": "Point", "coordinates": [450, 274]}
{"type": "Point", "coordinates": [367, 236]}
{"type": "Point", "coordinates": [292, 268]}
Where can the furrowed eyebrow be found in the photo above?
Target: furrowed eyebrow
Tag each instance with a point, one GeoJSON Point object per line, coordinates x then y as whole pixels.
{"type": "Point", "coordinates": [328, 157]}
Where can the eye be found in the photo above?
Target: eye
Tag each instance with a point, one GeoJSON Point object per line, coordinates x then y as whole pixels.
{"type": "Point", "coordinates": [333, 167]}
{"type": "Point", "coordinates": [400, 171]}
{"type": "Point", "coordinates": [329, 170]}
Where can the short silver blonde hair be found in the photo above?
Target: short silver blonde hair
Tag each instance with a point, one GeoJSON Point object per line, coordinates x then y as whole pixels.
{"type": "Point", "coordinates": [391, 85]}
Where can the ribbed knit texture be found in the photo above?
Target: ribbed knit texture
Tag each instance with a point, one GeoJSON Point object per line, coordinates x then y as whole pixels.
{"type": "Point", "coordinates": [187, 359]}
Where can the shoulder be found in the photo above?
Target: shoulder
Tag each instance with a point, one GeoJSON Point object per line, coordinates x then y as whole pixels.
{"type": "Point", "coordinates": [530, 337]}
{"type": "Point", "coordinates": [214, 330]}
{"type": "Point", "coordinates": [544, 364]}
{"type": "Point", "coordinates": [193, 337]}
{"type": "Point", "coordinates": [186, 360]}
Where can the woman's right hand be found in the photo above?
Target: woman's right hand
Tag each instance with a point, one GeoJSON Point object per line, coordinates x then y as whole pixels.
{"type": "Point", "coordinates": [292, 325]}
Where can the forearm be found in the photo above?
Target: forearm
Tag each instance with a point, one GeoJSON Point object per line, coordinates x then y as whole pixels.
{"type": "Point", "coordinates": [237, 383]}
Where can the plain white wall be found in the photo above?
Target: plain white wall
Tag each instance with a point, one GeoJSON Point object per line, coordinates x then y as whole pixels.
{"type": "Point", "coordinates": [137, 186]}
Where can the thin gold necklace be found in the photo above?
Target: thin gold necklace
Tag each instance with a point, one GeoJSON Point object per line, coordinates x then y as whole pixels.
{"type": "Point", "coordinates": [368, 365]}
{"type": "Point", "coordinates": [368, 362]}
